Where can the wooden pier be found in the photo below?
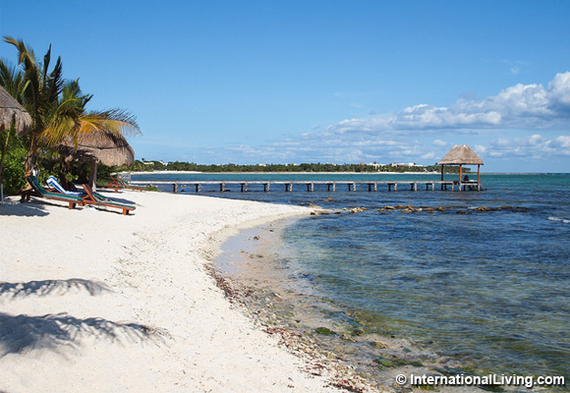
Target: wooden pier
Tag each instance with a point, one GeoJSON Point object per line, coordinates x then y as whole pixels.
{"type": "Point", "coordinates": [331, 186]}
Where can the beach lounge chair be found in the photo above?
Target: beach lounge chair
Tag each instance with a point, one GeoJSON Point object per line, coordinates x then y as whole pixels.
{"type": "Point", "coordinates": [120, 183]}
{"type": "Point", "coordinates": [53, 183]}
{"type": "Point", "coordinates": [39, 191]}
{"type": "Point", "coordinates": [94, 198]}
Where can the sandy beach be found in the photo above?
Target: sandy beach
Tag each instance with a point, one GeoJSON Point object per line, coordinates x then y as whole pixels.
{"type": "Point", "coordinates": [94, 301]}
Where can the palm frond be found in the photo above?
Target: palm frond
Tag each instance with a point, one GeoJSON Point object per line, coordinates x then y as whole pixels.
{"type": "Point", "coordinates": [24, 54]}
{"type": "Point", "coordinates": [116, 121]}
{"type": "Point", "coordinates": [11, 80]}
{"type": "Point", "coordinates": [71, 90]}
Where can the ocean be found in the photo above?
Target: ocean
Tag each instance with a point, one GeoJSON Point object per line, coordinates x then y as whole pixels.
{"type": "Point", "coordinates": [481, 284]}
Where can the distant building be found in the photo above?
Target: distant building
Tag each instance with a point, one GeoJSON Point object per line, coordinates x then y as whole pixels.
{"type": "Point", "coordinates": [410, 164]}
{"type": "Point", "coordinates": [155, 162]}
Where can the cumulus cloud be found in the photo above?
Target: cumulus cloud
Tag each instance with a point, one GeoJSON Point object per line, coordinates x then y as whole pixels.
{"type": "Point", "coordinates": [559, 94]}
{"type": "Point", "coordinates": [530, 106]}
{"type": "Point", "coordinates": [480, 149]}
{"type": "Point", "coordinates": [519, 107]}
{"type": "Point", "coordinates": [536, 146]}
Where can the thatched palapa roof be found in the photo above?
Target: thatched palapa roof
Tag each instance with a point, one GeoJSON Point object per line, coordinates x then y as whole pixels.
{"type": "Point", "coordinates": [107, 148]}
{"type": "Point", "coordinates": [12, 111]}
{"type": "Point", "coordinates": [461, 155]}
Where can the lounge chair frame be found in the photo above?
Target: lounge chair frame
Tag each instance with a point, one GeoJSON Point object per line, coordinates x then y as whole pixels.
{"type": "Point", "coordinates": [94, 198]}
{"type": "Point", "coordinates": [117, 182]}
{"type": "Point", "coordinates": [39, 191]}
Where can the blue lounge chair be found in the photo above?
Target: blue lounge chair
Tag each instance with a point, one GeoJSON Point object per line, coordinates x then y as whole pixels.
{"type": "Point", "coordinates": [52, 182]}
{"type": "Point", "coordinates": [38, 191]}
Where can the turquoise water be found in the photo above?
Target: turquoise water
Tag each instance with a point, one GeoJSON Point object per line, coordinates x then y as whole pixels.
{"type": "Point", "coordinates": [490, 287]}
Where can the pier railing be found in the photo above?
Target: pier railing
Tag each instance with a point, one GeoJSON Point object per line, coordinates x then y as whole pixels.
{"type": "Point", "coordinates": [331, 186]}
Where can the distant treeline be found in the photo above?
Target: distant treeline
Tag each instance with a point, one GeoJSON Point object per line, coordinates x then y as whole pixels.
{"type": "Point", "coordinates": [318, 167]}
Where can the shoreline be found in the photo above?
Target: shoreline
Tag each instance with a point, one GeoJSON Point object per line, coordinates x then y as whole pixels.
{"type": "Point", "coordinates": [97, 301]}
{"type": "Point", "coordinates": [256, 273]}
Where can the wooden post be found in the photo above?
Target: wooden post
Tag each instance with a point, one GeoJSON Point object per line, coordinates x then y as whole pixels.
{"type": "Point", "coordinates": [310, 187]}
{"type": "Point", "coordinates": [243, 187]}
{"type": "Point", "coordinates": [198, 187]}
{"type": "Point", "coordinates": [93, 175]}
{"type": "Point", "coordinates": [266, 187]}
{"type": "Point", "coordinates": [175, 187]}
{"type": "Point", "coordinates": [479, 173]}
{"type": "Point", "coordinates": [222, 187]}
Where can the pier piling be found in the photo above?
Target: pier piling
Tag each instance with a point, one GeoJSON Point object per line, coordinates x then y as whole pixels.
{"type": "Point", "coordinates": [444, 185]}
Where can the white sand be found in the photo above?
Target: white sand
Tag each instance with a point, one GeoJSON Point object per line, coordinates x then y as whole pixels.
{"type": "Point", "coordinates": [93, 301]}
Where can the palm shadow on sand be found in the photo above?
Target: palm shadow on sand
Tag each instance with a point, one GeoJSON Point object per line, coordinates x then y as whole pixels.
{"type": "Point", "coordinates": [47, 287]}
{"type": "Point", "coordinates": [22, 209]}
{"type": "Point", "coordinates": [20, 334]}
{"type": "Point", "coordinates": [23, 333]}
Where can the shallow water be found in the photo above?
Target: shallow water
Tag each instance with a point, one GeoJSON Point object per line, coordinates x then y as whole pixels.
{"type": "Point", "coordinates": [490, 288]}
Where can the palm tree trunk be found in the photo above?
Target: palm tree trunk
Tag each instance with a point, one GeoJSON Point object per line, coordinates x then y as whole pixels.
{"type": "Point", "coordinates": [31, 158]}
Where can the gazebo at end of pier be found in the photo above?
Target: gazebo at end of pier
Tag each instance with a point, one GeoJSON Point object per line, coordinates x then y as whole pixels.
{"type": "Point", "coordinates": [463, 155]}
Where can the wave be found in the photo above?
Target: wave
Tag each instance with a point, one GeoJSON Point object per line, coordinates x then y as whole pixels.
{"type": "Point", "coordinates": [563, 220]}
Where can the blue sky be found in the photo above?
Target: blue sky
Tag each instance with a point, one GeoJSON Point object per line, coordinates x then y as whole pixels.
{"type": "Point", "coordinates": [319, 81]}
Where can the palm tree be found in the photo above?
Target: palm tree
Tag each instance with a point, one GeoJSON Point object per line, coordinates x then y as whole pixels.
{"type": "Point", "coordinates": [57, 106]}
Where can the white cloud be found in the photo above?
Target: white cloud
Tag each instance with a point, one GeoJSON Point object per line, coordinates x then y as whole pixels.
{"type": "Point", "coordinates": [535, 146]}
{"type": "Point", "coordinates": [562, 142]}
{"type": "Point", "coordinates": [526, 106]}
{"type": "Point", "coordinates": [429, 156]}
{"type": "Point", "coordinates": [439, 142]}
{"type": "Point", "coordinates": [480, 149]}
{"type": "Point", "coordinates": [559, 93]}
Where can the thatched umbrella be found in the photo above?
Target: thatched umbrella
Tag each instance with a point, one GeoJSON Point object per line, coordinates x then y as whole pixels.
{"type": "Point", "coordinates": [106, 148]}
{"type": "Point", "coordinates": [11, 112]}
{"type": "Point", "coordinates": [462, 155]}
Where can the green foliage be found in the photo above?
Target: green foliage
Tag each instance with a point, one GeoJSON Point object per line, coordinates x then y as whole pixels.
{"type": "Point", "coordinates": [12, 153]}
{"type": "Point", "coordinates": [13, 174]}
{"type": "Point", "coordinates": [137, 166]}
{"type": "Point", "coordinates": [104, 173]}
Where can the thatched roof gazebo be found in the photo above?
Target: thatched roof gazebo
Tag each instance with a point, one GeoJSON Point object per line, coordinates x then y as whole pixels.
{"type": "Point", "coordinates": [462, 155]}
{"type": "Point", "coordinates": [106, 148]}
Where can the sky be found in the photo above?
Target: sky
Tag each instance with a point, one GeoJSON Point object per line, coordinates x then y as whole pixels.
{"type": "Point", "coordinates": [328, 81]}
